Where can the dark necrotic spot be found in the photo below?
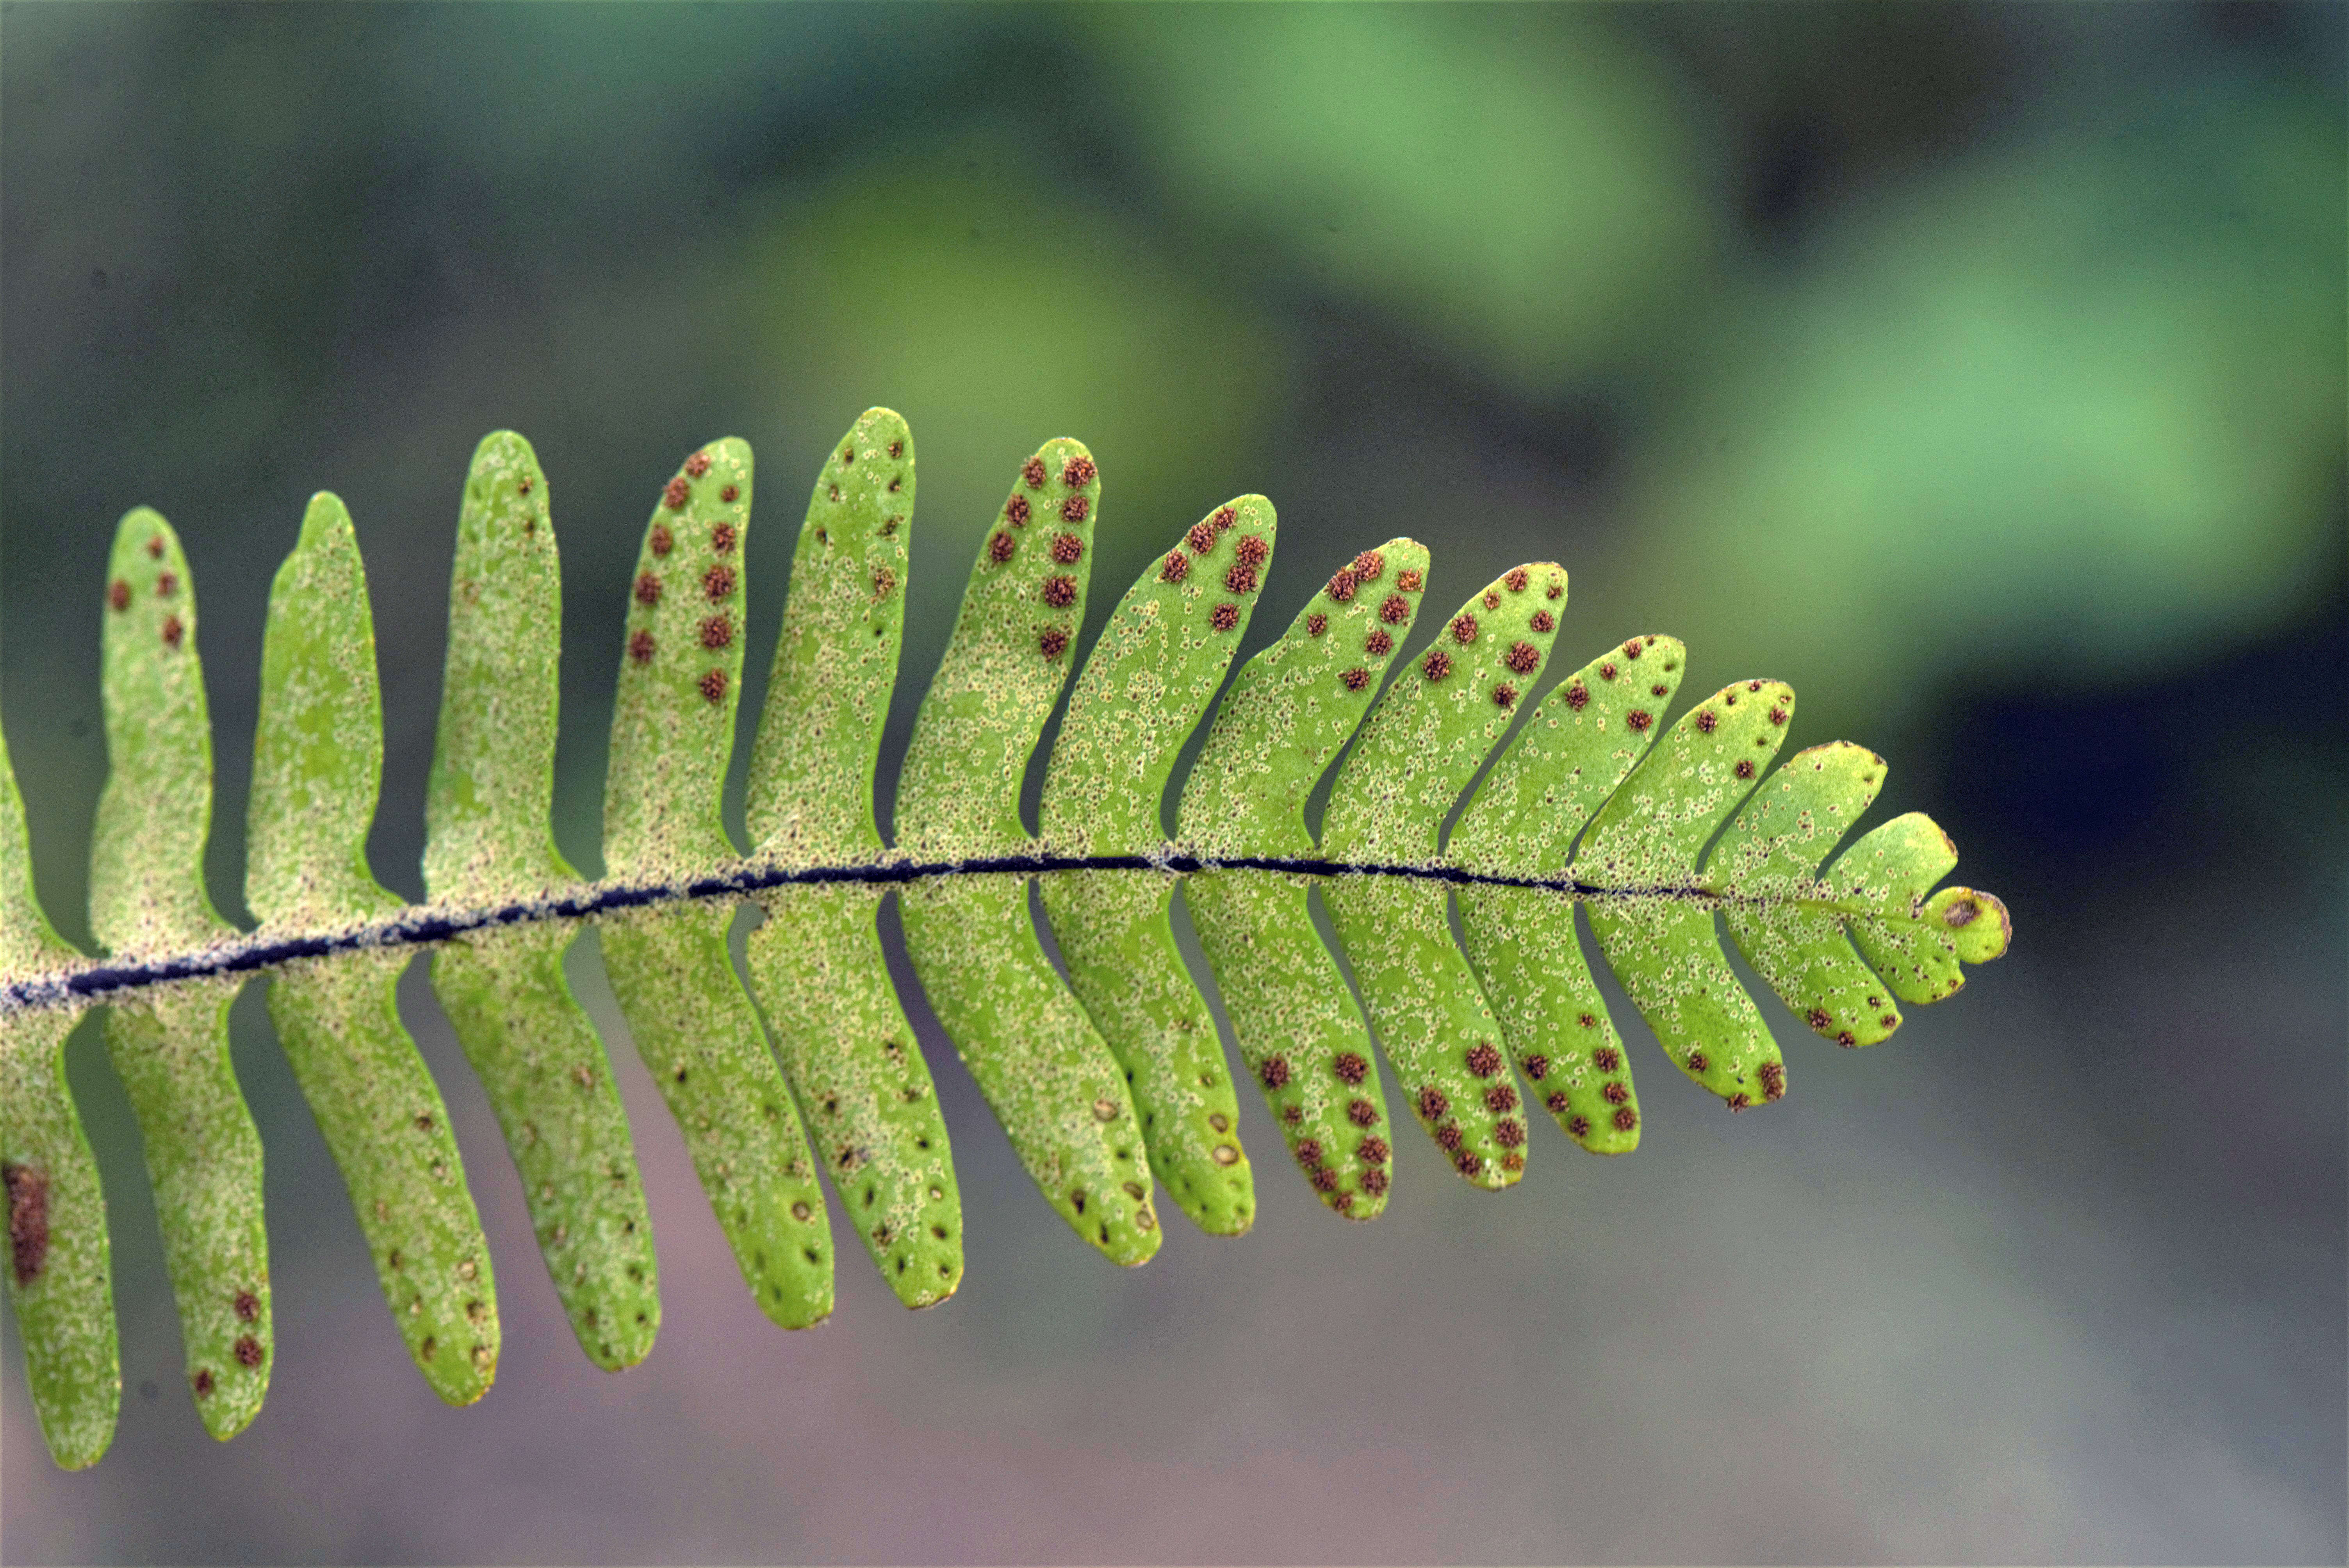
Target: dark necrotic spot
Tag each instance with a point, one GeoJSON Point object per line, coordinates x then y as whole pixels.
{"type": "Point", "coordinates": [1615, 1094]}
{"type": "Point", "coordinates": [1744, 768]}
{"type": "Point", "coordinates": [28, 1219]}
{"type": "Point", "coordinates": [1510, 1133]}
{"type": "Point", "coordinates": [1324, 1180]}
{"type": "Point", "coordinates": [1707, 720]}
{"type": "Point", "coordinates": [1522, 657]}
{"type": "Point", "coordinates": [1309, 1151]}
{"type": "Point", "coordinates": [1607, 1057]}
{"type": "Point", "coordinates": [1501, 1097]}
{"type": "Point", "coordinates": [248, 1351]}
{"type": "Point", "coordinates": [661, 540]}
{"type": "Point", "coordinates": [1773, 1079]}
{"type": "Point", "coordinates": [248, 1305]}
{"type": "Point", "coordinates": [1449, 1135]}
{"type": "Point", "coordinates": [1394, 610]}
{"type": "Point", "coordinates": [1626, 1118]}
{"type": "Point", "coordinates": [172, 631]}
{"type": "Point", "coordinates": [1373, 1150]}
{"type": "Point", "coordinates": [1698, 1061]}
{"type": "Point", "coordinates": [166, 585]}
{"type": "Point", "coordinates": [1577, 696]}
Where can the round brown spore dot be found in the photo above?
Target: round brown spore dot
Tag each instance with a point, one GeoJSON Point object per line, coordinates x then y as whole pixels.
{"type": "Point", "coordinates": [897, 449]}
{"type": "Point", "coordinates": [1077, 470]}
{"type": "Point", "coordinates": [1240, 579]}
{"type": "Point", "coordinates": [1820, 1020]}
{"type": "Point", "coordinates": [1032, 470]}
{"type": "Point", "coordinates": [1577, 696]}
{"type": "Point", "coordinates": [155, 547]}
{"type": "Point", "coordinates": [1698, 1061]}
{"type": "Point", "coordinates": [648, 589]}
{"type": "Point", "coordinates": [1175, 568]}
{"type": "Point", "coordinates": [662, 540]}
{"type": "Point", "coordinates": [1374, 1182]}
{"type": "Point", "coordinates": [713, 686]}
{"type": "Point", "coordinates": [1516, 578]}
{"type": "Point", "coordinates": [1363, 1113]}
{"type": "Point", "coordinates": [1777, 715]}
{"type": "Point", "coordinates": [1373, 1150]}
{"type": "Point", "coordinates": [1410, 580]}
{"type": "Point", "coordinates": [1324, 1180]}
{"type": "Point", "coordinates": [1014, 510]}
{"type": "Point", "coordinates": [1522, 657]}
{"type": "Point", "coordinates": [717, 582]}
{"type": "Point", "coordinates": [1224, 518]}
{"type": "Point", "coordinates": [248, 1350]}
{"type": "Point", "coordinates": [1537, 1067]}
{"type": "Point", "coordinates": [1847, 1039]}
{"type": "Point", "coordinates": [1315, 623]}
{"type": "Point", "coordinates": [1492, 600]}
{"type": "Point", "coordinates": [1309, 1151]}
{"type": "Point", "coordinates": [119, 596]}
{"type": "Point", "coordinates": [1433, 1103]}
{"type": "Point", "coordinates": [1608, 1059]}
{"type": "Point", "coordinates": [1201, 539]}
{"type": "Point", "coordinates": [1463, 629]}
{"type": "Point", "coordinates": [1449, 1135]}
{"type": "Point", "coordinates": [1224, 617]}
{"type": "Point", "coordinates": [1774, 1080]}
{"type": "Point", "coordinates": [1504, 695]}
{"type": "Point", "coordinates": [204, 1382]}
{"type": "Point", "coordinates": [1501, 1097]}
{"type": "Point", "coordinates": [1051, 641]}
{"type": "Point", "coordinates": [1292, 1114]}
{"type": "Point", "coordinates": [1437, 665]}
{"type": "Point", "coordinates": [1626, 1118]}
{"type": "Point", "coordinates": [675, 493]}
{"type": "Point", "coordinates": [1059, 592]}
{"type": "Point", "coordinates": [1890, 1020]}
{"type": "Point", "coordinates": [640, 646]}
{"type": "Point", "coordinates": [1076, 509]}
{"type": "Point", "coordinates": [1607, 670]}
{"type": "Point", "coordinates": [172, 631]}
{"type": "Point", "coordinates": [1349, 1066]}
{"type": "Point", "coordinates": [717, 631]}
{"type": "Point", "coordinates": [731, 494]}
{"type": "Point", "coordinates": [884, 582]}
{"type": "Point", "coordinates": [1342, 585]}
{"type": "Point", "coordinates": [1557, 588]}
{"type": "Point", "coordinates": [1560, 1105]}
{"type": "Point", "coordinates": [1274, 1071]}
{"type": "Point", "coordinates": [698, 464]}
{"type": "Point", "coordinates": [1000, 546]}
{"type": "Point", "coordinates": [166, 585]}
{"type": "Point", "coordinates": [1468, 1161]}
{"type": "Point", "coordinates": [1510, 1133]}
{"type": "Point", "coordinates": [1068, 549]}
{"type": "Point", "coordinates": [1370, 566]}
{"type": "Point", "coordinates": [1631, 649]}
{"type": "Point", "coordinates": [1753, 686]}
{"type": "Point", "coordinates": [1512, 1160]}
{"type": "Point", "coordinates": [1615, 1094]}
{"type": "Point", "coordinates": [1658, 690]}
{"type": "Point", "coordinates": [722, 537]}
{"type": "Point", "coordinates": [1543, 621]}
{"type": "Point", "coordinates": [248, 1305]}
{"type": "Point", "coordinates": [1251, 550]}
{"type": "Point", "coordinates": [1638, 718]}
{"type": "Point", "coordinates": [1378, 644]}
{"type": "Point", "coordinates": [1738, 1100]}
{"type": "Point", "coordinates": [1483, 1060]}
{"type": "Point", "coordinates": [1707, 720]}
{"type": "Point", "coordinates": [1394, 610]}
{"type": "Point", "coordinates": [1354, 679]}
{"type": "Point", "coordinates": [1744, 768]}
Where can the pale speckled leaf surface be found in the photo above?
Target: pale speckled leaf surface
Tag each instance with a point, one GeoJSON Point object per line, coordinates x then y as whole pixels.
{"type": "Point", "coordinates": [1575, 749]}
{"type": "Point", "coordinates": [60, 1275]}
{"type": "Point", "coordinates": [489, 839]}
{"type": "Point", "coordinates": [1301, 1034]}
{"type": "Point", "coordinates": [1049, 1078]}
{"type": "Point", "coordinates": [170, 1047]}
{"type": "Point", "coordinates": [815, 962]}
{"type": "Point", "coordinates": [1146, 686]}
{"type": "Point", "coordinates": [1419, 749]}
{"type": "Point", "coordinates": [695, 1026]}
{"type": "Point", "coordinates": [318, 764]}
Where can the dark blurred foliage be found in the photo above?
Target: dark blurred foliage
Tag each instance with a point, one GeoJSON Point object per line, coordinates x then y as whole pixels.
{"type": "Point", "coordinates": [1979, 369]}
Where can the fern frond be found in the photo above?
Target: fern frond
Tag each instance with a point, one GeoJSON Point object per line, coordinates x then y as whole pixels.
{"type": "Point", "coordinates": [1106, 1081]}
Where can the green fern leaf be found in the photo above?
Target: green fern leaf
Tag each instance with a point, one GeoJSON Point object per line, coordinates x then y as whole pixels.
{"type": "Point", "coordinates": [317, 763]}
{"type": "Point", "coordinates": [1419, 749]}
{"type": "Point", "coordinates": [60, 1273]}
{"type": "Point", "coordinates": [694, 1023]}
{"type": "Point", "coordinates": [170, 1046]}
{"type": "Point", "coordinates": [1103, 1081]}
{"type": "Point", "coordinates": [816, 962]}
{"type": "Point", "coordinates": [1146, 686]}
{"type": "Point", "coordinates": [490, 841]}
{"type": "Point", "coordinates": [1046, 1072]}
{"type": "Point", "coordinates": [1288, 715]}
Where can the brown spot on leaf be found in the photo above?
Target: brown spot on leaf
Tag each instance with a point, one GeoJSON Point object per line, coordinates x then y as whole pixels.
{"type": "Point", "coordinates": [1744, 768]}
{"type": "Point", "coordinates": [155, 547]}
{"type": "Point", "coordinates": [1537, 1067]}
{"type": "Point", "coordinates": [1349, 1066]}
{"type": "Point", "coordinates": [1505, 695]}
{"type": "Point", "coordinates": [1373, 1150]}
{"type": "Point", "coordinates": [1707, 720]}
{"type": "Point", "coordinates": [1077, 472]}
{"type": "Point", "coordinates": [1240, 579]}
{"type": "Point", "coordinates": [1068, 549]}
{"type": "Point", "coordinates": [172, 631]}
{"type": "Point", "coordinates": [1315, 623]}
{"type": "Point", "coordinates": [1362, 1113]}
{"type": "Point", "coordinates": [661, 540]}
{"type": "Point", "coordinates": [1076, 509]}
{"type": "Point", "coordinates": [1510, 1133]}
{"type": "Point", "coordinates": [1032, 470]}
{"type": "Point", "coordinates": [1638, 718]}
{"type": "Point", "coordinates": [248, 1305]}
{"type": "Point", "coordinates": [1224, 617]}
{"type": "Point", "coordinates": [675, 493]}
{"type": "Point", "coordinates": [204, 1382]}
{"type": "Point", "coordinates": [717, 582]}
{"type": "Point", "coordinates": [119, 596]}
{"type": "Point", "coordinates": [1432, 1102]}
{"type": "Point", "coordinates": [1774, 1080]}
{"type": "Point", "coordinates": [1961, 914]}
{"type": "Point", "coordinates": [1225, 517]}
{"type": "Point", "coordinates": [1483, 1060]}
{"type": "Point", "coordinates": [1274, 1071]}
{"type": "Point", "coordinates": [1059, 592]}
{"type": "Point", "coordinates": [1463, 629]}
{"type": "Point", "coordinates": [1501, 1097]}
{"type": "Point", "coordinates": [722, 537]}
{"type": "Point", "coordinates": [1051, 641]}
{"type": "Point", "coordinates": [1543, 621]}
{"type": "Point", "coordinates": [647, 590]}
{"type": "Point", "coordinates": [166, 585]}
{"type": "Point", "coordinates": [1437, 665]}
{"type": "Point", "coordinates": [640, 648]}
{"type": "Point", "coordinates": [1251, 550]}
{"type": "Point", "coordinates": [1522, 657]}
{"type": "Point", "coordinates": [248, 1351]}
{"type": "Point", "coordinates": [1309, 1151]}
{"type": "Point", "coordinates": [1410, 580]}
{"type": "Point", "coordinates": [1374, 1181]}
{"type": "Point", "coordinates": [1354, 679]}
{"type": "Point", "coordinates": [1777, 715]}
{"type": "Point", "coordinates": [1615, 1094]}
{"type": "Point", "coordinates": [1515, 579]}
{"type": "Point", "coordinates": [1449, 1135]}
{"type": "Point", "coordinates": [1698, 1061]}
{"type": "Point", "coordinates": [1577, 696]}
{"type": "Point", "coordinates": [1626, 1118]}
{"type": "Point", "coordinates": [713, 686]}
{"type": "Point", "coordinates": [1202, 537]}
{"type": "Point", "coordinates": [717, 631]}
{"type": "Point", "coordinates": [698, 464]}
{"type": "Point", "coordinates": [1378, 644]}
{"type": "Point", "coordinates": [1342, 585]}
{"type": "Point", "coordinates": [1014, 510]}
{"type": "Point", "coordinates": [1175, 568]}
{"type": "Point", "coordinates": [1001, 546]}
{"type": "Point", "coordinates": [29, 1221]}
{"type": "Point", "coordinates": [1370, 566]}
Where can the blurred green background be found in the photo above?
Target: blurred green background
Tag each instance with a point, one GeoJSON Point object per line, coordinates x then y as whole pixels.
{"type": "Point", "coordinates": [1978, 369]}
